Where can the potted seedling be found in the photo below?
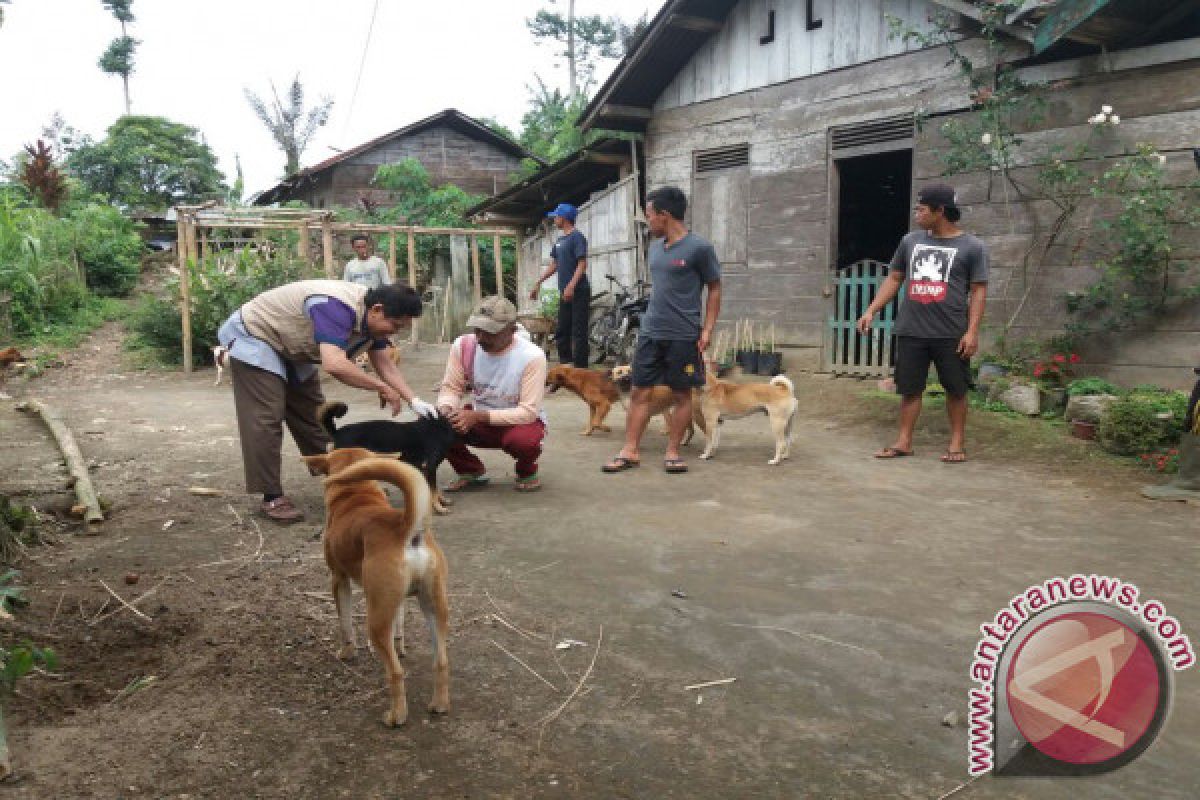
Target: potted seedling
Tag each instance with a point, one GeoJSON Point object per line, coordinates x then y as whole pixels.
{"type": "Point", "coordinates": [770, 360]}
{"type": "Point", "coordinates": [747, 357]}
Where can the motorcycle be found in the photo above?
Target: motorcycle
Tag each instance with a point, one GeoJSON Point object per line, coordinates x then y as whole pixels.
{"type": "Point", "coordinates": [617, 315]}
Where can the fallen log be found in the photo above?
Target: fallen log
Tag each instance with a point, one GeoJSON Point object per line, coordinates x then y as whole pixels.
{"type": "Point", "coordinates": [76, 466]}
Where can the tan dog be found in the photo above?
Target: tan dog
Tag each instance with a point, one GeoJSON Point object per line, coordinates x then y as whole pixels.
{"type": "Point", "coordinates": [594, 388]}
{"type": "Point", "coordinates": [720, 400]}
{"type": "Point", "coordinates": [363, 359]}
{"type": "Point", "coordinates": [220, 361]}
{"type": "Point", "coordinates": [392, 554]}
{"type": "Point", "coordinates": [662, 401]}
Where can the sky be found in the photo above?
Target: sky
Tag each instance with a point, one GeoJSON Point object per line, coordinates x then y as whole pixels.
{"type": "Point", "coordinates": [196, 58]}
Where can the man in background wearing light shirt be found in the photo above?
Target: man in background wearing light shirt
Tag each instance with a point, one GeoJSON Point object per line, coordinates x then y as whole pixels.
{"type": "Point", "coordinates": [366, 269]}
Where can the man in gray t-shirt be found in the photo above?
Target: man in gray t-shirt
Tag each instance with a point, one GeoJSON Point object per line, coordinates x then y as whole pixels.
{"type": "Point", "coordinates": [945, 273]}
{"type": "Point", "coordinates": [365, 269]}
{"type": "Point", "coordinates": [676, 328]}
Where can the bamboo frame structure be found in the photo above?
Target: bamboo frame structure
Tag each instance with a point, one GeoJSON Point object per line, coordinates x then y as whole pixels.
{"type": "Point", "coordinates": [192, 224]}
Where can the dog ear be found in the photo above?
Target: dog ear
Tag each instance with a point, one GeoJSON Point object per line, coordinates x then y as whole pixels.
{"type": "Point", "coordinates": [318, 465]}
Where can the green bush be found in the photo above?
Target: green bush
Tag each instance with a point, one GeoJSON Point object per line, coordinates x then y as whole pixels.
{"type": "Point", "coordinates": [38, 271]}
{"type": "Point", "coordinates": [1143, 421]}
{"type": "Point", "coordinates": [219, 284]}
{"type": "Point", "coordinates": [1090, 386]}
{"type": "Point", "coordinates": [108, 247]}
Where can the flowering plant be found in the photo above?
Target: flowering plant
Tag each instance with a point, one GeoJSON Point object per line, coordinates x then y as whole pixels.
{"type": "Point", "coordinates": [1055, 371]}
{"type": "Point", "coordinates": [1162, 461]}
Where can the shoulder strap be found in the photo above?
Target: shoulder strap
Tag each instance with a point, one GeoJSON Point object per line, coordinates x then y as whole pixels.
{"type": "Point", "coordinates": [467, 354]}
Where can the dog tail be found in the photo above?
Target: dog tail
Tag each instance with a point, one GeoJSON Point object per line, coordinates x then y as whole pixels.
{"type": "Point", "coordinates": [418, 501]}
{"type": "Point", "coordinates": [327, 413]}
{"type": "Point", "coordinates": [781, 380]}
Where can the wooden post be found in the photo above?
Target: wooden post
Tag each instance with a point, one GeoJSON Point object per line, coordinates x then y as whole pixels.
{"type": "Point", "coordinates": [412, 272]}
{"type": "Point", "coordinates": [187, 255]}
{"type": "Point", "coordinates": [327, 245]}
{"type": "Point", "coordinates": [498, 262]}
{"type": "Point", "coordinates": [302, 249]}
{"type": "Point", "coordinates": [392, 256]}
{"type": "Point", "coordinates": [203, 244]}
{"type": "Point", "coordinates": [476, 275]}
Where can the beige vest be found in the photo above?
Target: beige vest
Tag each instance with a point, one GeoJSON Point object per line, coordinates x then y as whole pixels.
{"type": "Point", "coordinates": [277, 316]}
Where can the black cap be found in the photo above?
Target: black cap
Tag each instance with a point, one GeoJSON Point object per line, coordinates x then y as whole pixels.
{"type": "Point", "coordinates": [937, 195]}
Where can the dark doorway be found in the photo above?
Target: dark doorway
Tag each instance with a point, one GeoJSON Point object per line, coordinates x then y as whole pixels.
{"type": "Point", "coordinates": [873, 205]}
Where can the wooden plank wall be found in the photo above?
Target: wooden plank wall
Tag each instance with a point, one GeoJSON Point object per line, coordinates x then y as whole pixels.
{"type": "Point", "coordinates": [734, 61]}
{"type": "Point", "coordinates": [786, 272]}
{"type": "Point", "coordinates": [1157, 105]}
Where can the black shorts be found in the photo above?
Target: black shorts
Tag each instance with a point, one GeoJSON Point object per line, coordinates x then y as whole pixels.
{"type": "Point", "coordinates": [669, 362]}
{"type": "Point", "coordinates": [913, 356]}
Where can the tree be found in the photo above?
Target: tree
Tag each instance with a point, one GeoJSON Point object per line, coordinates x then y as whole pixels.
{"type": "Point", "coordinates": [46, 184]}
{"type": "Point", "coordinates": [118, 58]}
{"type": "Point", "coordinates": [584, 39]}
{"type": "Point", "coordinates": [149, 163]}
{"type": "Point", "coordinates": [291, 127]}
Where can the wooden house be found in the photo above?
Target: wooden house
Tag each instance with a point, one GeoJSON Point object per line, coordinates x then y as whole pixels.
{"type": "Point", "coordinates": [453, 148]}
{"type": "Point", "coordinates": [801, 130]}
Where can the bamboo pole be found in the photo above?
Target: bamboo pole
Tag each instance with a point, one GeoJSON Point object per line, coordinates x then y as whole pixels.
{"type": "Point", "coordinates": [185, 287]}
{"type": "Point", "coordinates": [476, 274]}
{"type": "Point", "coordinates": [327, 246]}
{"type": "Point", "coordinates": [412, 273]}
{"type": "Point", "coordinates": [185, 294]}
{"type": "Point", "coordinates": [84, 490]}
{"type": "Point", "coordinates": [203, 244]}
{"type": "Point", "coordinates": [498, 263]}
{"type": "Point", "coordinates": [302, 248]}
{"type": "Point", "coordinates": [392, 257]}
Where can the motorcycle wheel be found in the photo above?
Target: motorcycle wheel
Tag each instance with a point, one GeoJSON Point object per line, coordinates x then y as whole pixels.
{"type": "Point", "coordinates": [600, 339]}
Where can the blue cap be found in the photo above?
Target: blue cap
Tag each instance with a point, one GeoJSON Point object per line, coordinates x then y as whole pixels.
{"type": "Point", "coordinates": [564, 210]}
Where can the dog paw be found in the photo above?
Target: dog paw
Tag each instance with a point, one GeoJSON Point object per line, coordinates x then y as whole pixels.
{"type": "Point", "coordinates": [774, 462]}
{"type": "Point", "coordinates": [392, 719]}
{"type": "Point", "coordinates": [706, 456]}
{"type": "Point", "coordinates": [439, 708]}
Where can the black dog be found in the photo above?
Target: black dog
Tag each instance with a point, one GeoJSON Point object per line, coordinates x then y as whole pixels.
{"type": "Point", "coordinates": [422, 443]}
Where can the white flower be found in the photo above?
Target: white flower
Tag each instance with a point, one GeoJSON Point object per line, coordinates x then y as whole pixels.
{"type": "Point", "coordinates": [1096, 120]}
{"type": "Point", "coordinates": [1162, 159]}
{"type": "Point", "coordinates": [1106, 109]}
{"type": "Point", "coordinates": [1114, 120]}
{"type": "Point", "coordinates": [986, 138]}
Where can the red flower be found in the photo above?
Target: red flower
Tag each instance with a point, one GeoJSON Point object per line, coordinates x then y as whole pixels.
{"type": "Point", "coordinates": [1059, 357]}
{"type": "Point", "coordinates": [1037, 371]}
{"type": "Point", "coordinates": [1074, 358]}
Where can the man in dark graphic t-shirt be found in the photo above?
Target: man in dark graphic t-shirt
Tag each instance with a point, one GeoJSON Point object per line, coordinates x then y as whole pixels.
{"type": "Point", "coordinates": [944, 273]}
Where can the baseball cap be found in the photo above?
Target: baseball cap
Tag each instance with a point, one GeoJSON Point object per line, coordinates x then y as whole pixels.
{"type": "Point", "coordinates": [493, 314]}
{"type": "Point", "coordinates": [565, 210]}
{"type": "Point", "coordinates": [937, 195]}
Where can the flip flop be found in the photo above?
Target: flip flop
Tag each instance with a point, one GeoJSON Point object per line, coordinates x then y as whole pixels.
{"type": "Point", "coordinates": [675, 466]}
{"type": "Point", "coordinates": [530, 484]}
{"type": "Point", "coordinates": [620, 464]}
{"type": "Point", "coordinates": [893, 452]}
{"type": "Point", "coordinates": [954, 457]}
{"type": "Point", "coordinates": [465, 482]}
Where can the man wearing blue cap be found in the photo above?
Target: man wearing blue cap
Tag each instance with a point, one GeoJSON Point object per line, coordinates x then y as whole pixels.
{"type": "Point", "coordinates": [568, 258]}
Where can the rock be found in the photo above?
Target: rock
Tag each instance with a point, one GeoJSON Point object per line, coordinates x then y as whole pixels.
{"type": "Point", "coordinates": [950, 720]}
{"type": "Point", "coordinates": [1023, 399]}
{"type": "Point", "coordinates": [1089, 407]}
{"type": "Point", "coordinates": [131, 578]}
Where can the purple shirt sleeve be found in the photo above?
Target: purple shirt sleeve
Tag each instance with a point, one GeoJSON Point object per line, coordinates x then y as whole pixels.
{"type": "Point", "coordinates": [333, 323]}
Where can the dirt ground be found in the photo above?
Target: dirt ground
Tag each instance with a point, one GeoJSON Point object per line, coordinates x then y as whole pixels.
{"type": "Point", "coordinates": [843, 593]}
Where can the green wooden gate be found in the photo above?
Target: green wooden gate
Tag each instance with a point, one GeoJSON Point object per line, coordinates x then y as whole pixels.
{"type": "Point", "coordinates": [848, 352]}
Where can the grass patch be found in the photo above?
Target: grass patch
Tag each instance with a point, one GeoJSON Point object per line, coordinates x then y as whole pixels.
{"type": "Point", "coordinates": [66, 334]}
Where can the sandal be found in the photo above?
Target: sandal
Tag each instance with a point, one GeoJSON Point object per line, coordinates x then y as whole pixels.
{"type": "Point", "coordinates": [529, 484]}
{"type": "Point", "coordinates": [281, 509]}
{"type": "Point", "coordinates": [893, 452]}
{"type": "Point", "coordinates": [464, 482]}
{"type": "Point", "coordinates": [620, 464]}
{"type": "Point", "coordinates": [675, 466]}
{"type": "Point", "coordinates": [954, 457]}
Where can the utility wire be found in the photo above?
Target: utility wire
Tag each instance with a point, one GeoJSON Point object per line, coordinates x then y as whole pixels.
{"type": "Point", "coordinates": [361, 66]}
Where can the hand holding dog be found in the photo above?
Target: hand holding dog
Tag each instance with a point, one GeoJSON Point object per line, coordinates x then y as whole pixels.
{"type": "Point", "coordinates": [464, 419]}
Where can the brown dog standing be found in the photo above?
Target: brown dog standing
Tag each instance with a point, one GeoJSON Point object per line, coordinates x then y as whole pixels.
{"type": "Point", "coordinates": [392, 554]}
{"type": "Point", "coordinates": [662, 401]}
{"type": "Point", "coordinates": [594, 388]}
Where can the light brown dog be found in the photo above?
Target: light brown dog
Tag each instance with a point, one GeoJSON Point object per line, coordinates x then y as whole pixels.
{"type": "Point", "coordinates": [594, 388]}
{"type": "Point", "coordinates": [721, 400]}
{"type": "Point", "coordinates": [392, 554]}
{"type": "Point", "coordinates": [662, 401]}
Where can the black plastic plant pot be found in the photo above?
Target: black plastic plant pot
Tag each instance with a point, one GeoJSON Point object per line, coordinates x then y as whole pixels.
{"type": "Point", "coordinates": [749, 361]}
{"type": "Point", "coordinates": [769, 364]}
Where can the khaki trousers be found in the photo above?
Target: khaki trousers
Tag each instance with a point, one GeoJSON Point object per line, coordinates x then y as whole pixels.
{"type": "Point", "coordinates": [264, 402]}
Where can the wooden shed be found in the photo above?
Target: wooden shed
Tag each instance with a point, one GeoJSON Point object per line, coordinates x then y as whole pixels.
{"type": "Point", "coordinates": [801, 129]}
{"type": "Point", "coordinates": [453, 147]}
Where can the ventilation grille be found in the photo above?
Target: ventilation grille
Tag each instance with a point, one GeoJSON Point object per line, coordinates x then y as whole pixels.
{"type": "Point", "coordinates": [877, 131]}
{"type": "Point", "coordinates": [737, 155]}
